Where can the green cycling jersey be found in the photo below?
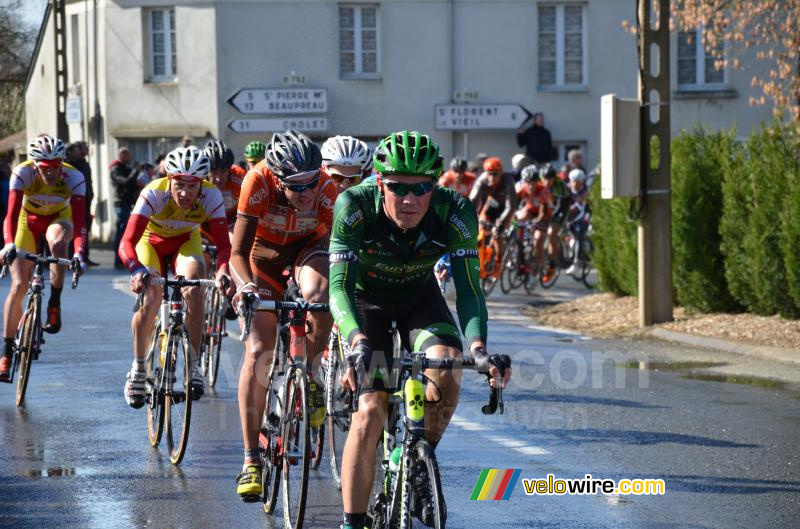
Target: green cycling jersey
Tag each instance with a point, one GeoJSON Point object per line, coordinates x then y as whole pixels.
{"type": "Point", "coordinates": [371, 255]}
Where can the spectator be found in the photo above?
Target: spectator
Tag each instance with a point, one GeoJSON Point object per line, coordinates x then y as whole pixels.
{"type": "Point", "coordinates": [160, 171]}
{"type": "Point", "coordinates": [479, 159]}
{"type": "Point", "coordinates": [125, 193]}
{"type": "Point", "coordinates": [574, 161]}
{"type": "Point", "coordinates": [537, 141]}
{"type": "Point", "coordinates": [76, 157]}
{"type": "Point", "coordinates": [145, 173]}
{"type": "Point", "coordinates": [5, 179]}
{"type": "Point", "coordinates": [186, 141]}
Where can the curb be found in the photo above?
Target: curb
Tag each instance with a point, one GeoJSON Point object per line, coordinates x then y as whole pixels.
{"type": "Point", "coordinates": [760, 351]}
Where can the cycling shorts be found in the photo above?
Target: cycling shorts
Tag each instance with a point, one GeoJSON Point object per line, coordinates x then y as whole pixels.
{"type": "Point", "coordinates": [423, 320]}
{"type": "Point", "coordinates": [31, 227]}
{"type": "Point", "coordinates": [152, 250]}
{"type": "Point", "coordinates": [269, 262]}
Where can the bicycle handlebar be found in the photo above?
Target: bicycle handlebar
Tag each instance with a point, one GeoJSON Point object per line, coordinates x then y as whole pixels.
{"type": "Point", "coordinates": [148, 280]}
{"type": "Point", "coordinates": [73, 264]}
{"type": "Point", "coordinates": [418, 361]}
{"type": "Point", "coordinates": [245, 308]}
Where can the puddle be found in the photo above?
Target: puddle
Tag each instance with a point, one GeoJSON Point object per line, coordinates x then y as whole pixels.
{"type": "Point", "coordinates": [670, 366]}
{"type": "Point", "coordinates": [738, 379]}
{"type": "Point", "coordinates": [48, 472]}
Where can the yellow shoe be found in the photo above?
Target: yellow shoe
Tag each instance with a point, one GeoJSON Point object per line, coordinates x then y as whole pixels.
{"type": "Point", "coordinates": [316, 405]}
{"type": "Point", "coordinates": [248, 484]}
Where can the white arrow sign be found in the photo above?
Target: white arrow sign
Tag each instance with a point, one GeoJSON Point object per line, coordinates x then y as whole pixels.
{"type": "Point", "coordinates": [480, 116]}
{"type": "Point", "coordinates": [300, 123]}
{"type": "Point", "coordinates": [280, 100]}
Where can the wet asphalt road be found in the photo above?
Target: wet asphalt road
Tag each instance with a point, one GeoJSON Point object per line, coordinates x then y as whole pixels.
{"type": "Point", "coordinates": [76, 456]}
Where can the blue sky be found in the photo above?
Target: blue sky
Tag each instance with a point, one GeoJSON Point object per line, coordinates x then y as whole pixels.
{"type": "Point", "coordinates": [32, 11]}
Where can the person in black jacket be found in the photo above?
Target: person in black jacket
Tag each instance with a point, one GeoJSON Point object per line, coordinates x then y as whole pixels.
{"type": "Point", "coordinates": [125, 193]}
{"type": "Point", "coordinates": [537, 141]}
{"type": "Point", "coordinates": [76, 157]}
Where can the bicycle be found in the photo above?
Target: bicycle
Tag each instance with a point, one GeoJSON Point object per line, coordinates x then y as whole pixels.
{"type": "Point", "coordinates": [168, 367]}
{"type": "Point", "coordinates": [29, 339]}
{"type": "Point", "coordinates": [391, 505]}
{"type": "Point", "coordinates": [337, 402]}
{"type": "Point", "coordinates": [214, 327]}
{"type": "Point", "coordinates": [286, 438]}
{"type": "Point", "coordinates": [489, 260]}
{"type": "Point", "coordinates": [566, 246]}
{"type": "Point", "coordinates": [516, 272]}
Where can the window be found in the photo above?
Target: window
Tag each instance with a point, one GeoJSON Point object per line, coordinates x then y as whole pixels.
{"type": "Point", "coordinates": [358, 42]}
{"type": "Point", "coordinates": [161, 30]}
{"type": "Point", "coordinates": [697, 69]}
{"type": "Point", "coordinates": [562, 46]}
{"type": "Point", "coordinates": [146, 149]}
{"type": "Point", "coordinates": [561, 150]}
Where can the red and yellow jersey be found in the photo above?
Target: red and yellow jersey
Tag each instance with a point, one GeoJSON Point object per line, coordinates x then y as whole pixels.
{"type": "Point", "coordinates": [42, 198]}
{"type": "Point", "coordinates": [450, 179]}
{"type": "Point", "coordinates": [168, 219]}
{"type": "Point", "coordinates": [278, 221]}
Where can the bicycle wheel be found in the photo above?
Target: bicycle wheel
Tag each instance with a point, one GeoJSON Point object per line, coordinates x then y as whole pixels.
{"type": "Point", "coordinates": [269, 444]}
{"type": "Point", "coordinates": [208, 308]}
{"type": "Point", "coordinates": [423, 452]}
{"type": "Point", "coordinates": [153, 390]}
{"type": "Point", "coordinates": [177, 397]}
{"type": "Point", "coordinates": [28, 344]}
{"type": "Point", "coordinates": [215, 339]}
{"type": "Point", "coordinates": [509, 277]}
{"type": "Point", "coordinates": [296, 448]}
{"type": "Point", "coordinates": [338, 413]}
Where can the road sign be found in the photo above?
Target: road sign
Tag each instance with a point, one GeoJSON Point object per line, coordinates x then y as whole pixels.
{"type": "Point", "coordinates": [480, 117]}
{"type": "Point", "coordinates": [300, 123]}
{"type": "Point", "coordinates": [280, 100]}
{"type": "Point", "coordinates": [74, 110]}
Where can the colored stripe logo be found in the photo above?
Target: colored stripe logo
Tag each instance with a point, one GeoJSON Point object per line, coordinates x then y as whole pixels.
{"type": "Point", "coordinates": [495, 484]}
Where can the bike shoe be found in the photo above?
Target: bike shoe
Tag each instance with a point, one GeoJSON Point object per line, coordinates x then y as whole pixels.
{"type": "Point", "coordinates": [198, 383]}
{"type": "Point", "coordinates": [248, 484]}
{"type": "Point", "coordinates": [134, 389]}
{"type": "Point", "coordinates": [5, 369]}
{"type": "Point", "coordinates": [53, 324]}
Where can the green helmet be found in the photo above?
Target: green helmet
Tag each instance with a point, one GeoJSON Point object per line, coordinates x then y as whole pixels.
{"type": "Point", "coordinates": [254, 151]}
{"type": "Point", "coordinates": [408, 153]}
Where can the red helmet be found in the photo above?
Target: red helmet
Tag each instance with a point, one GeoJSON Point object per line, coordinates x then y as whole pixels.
{"type": "Point", "coordinates": [493, 165]}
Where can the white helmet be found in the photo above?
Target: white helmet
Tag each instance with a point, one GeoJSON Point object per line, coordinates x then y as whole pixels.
{"type": "Point", "coordinates": [518, 161]}
{"type": "Point", "coordinates": [346, 150]}
{"type": "Point", "coordinates": [187, 163]}
{"type": "Point", "coordinates": [577, 175]}
{"type": "Point", "coordinates": [46, 148]}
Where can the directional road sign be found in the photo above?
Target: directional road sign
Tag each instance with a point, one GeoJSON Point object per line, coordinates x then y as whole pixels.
{"type": "Point", "coordinates": [300, 123]}
{"type": "Point", "coordinates": [280, 100]}
{"type": "Point", "coordinates": [480, 116]}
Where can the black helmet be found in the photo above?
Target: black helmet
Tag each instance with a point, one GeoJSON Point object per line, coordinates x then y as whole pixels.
{"type": "Point", "coordinates": [530, 173]}
{"type": "Point", "coordinates": [547, 172]}
{"type": "Point", "coordinates": [219, 154]}
{"type": "Point", "coordinates": [458, 163]}
{"type": "Point", "coordinates": [291, 152]}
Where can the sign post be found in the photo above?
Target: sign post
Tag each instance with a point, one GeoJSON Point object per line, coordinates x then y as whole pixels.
{"type": "Point", "coordinates": [280, 100]}
{"type": "Point", "coordinates": [299, 123]}
{"type": "Point", "coordinates": [504, 116]}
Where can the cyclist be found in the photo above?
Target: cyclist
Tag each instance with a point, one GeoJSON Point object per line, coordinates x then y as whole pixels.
{"type": "Point", "coordinates": [494, 197]}
{"type": "Point", "coordinates": [578, 216]}
{"type": "Point", "coordinates": [254, 153]}
{"type": "Point", "coordinates": [345, 160]}
{"type": "Point", "coordinates": [457, 177]}
{"type": "Point", "coordinates": [560, 201]}
{"type": "Point", "coordinates": [534, 206]}
{"type": "Point", "coordinates": [47, 197]}
{"type": "Point", "coordinates": [386, 236]}
{"type": "Point", "coordinates": [285, 214]}
{"type": "Point", "coordinates": [165, 222]}
{"type": "Point", "coordinates": [226, 175]}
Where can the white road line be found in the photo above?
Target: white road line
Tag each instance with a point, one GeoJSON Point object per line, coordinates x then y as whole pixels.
{"type": "Point", "coordinates": [519, 446]}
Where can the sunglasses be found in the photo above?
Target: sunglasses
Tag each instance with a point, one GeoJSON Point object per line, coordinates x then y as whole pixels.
{"type": "Point", "coordinates": [419, 189]}
{"type": "Point", "coordinates": [339, 177]}
{"type": "Point", "coordinates": [299, 188]}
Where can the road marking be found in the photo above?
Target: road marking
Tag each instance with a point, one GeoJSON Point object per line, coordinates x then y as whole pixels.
{"type": "Point", "coordinates": [519, 446]}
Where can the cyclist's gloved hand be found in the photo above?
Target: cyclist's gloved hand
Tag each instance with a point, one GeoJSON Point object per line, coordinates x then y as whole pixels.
{"type": "Point", "coordinates": [246, 296]}
{"type": "Point", "coordinates": [82, 266]}
{"type": "Point", "coordinates": [496, 367]}
{"type": "Point", "coordinates": [139, 279]}
{"type": "Point", "coordinates": [357, 358]}
{"type": "Point", "coordinates": [8, 250]}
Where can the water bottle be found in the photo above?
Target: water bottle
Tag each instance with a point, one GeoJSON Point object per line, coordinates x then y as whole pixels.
{"type": "Point", "coordinates": [394, 463]}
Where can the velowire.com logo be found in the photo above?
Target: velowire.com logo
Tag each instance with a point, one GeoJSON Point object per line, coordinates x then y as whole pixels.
{"type": "Point", "coordinates": [495, 484]}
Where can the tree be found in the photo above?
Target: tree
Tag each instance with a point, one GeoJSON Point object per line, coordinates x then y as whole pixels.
{"type": "Point", "coordinates": [16, 49]}
{"type": "Point", "coordinates": [770, 28]}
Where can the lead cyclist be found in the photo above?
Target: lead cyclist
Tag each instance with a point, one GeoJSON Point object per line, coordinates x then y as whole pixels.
{"type": "Point", "coordinates": [387, 234]}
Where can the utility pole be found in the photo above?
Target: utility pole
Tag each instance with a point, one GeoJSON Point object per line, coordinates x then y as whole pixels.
{"type": "Point", "coordinates": [59, 21]}
{"type": "Point", "coordinates": [655, 229]}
